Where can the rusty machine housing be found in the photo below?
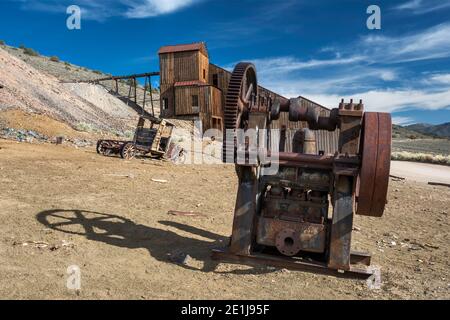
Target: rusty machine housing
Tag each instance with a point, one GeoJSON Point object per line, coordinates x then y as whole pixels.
{"type": "Point", "coordinates": [302, 216]}
{"type": "Point", "coordinates": [152, 136]}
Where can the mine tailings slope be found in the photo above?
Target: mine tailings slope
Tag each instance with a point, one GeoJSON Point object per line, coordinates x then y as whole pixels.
{"type": "Point", "coordinates": [25, 88]}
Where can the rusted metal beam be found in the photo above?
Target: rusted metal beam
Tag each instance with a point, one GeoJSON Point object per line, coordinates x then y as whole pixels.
{"type": "Point", "coordinates": [342, 224]}
{"type": "Point", "coordinates": [245, 212]}
{"type": "Point", "coordinates": [355, 272]}
{"type": "Point", "coordinates": [313, 161]}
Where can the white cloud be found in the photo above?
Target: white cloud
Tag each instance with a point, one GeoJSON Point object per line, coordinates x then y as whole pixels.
{"type": "Point", "coordinates": [329, 92]}
{"type": "Point", "coordinates": [101, 10]}
{"type": "Point", "coordinates": [392, 100]}
{"type": "Point", "coordinates": [432, 43]}
{"type": "Point", "coordinates": [422, 7]}
{"type": "Point", "coordinates": [402, 120]}
{"type": "Point", "coordinates": [288, 76]}
{"type": "Point", "coordinates": [357, 82]}
{"type": "Point", "coordinates": [388, 75]}
{"type": "Point", "coordinates": [152, 8]}
{"type": "Point", "coordinates": [441, 78]}
{"type": "Point", "coordinates": [368, 74]}
{"type": "Point", "coordinates": [413, 4]}
{"type": "Point", "coordinates": [279, 65]}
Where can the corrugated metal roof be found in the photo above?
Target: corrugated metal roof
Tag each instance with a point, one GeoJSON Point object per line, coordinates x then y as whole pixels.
{"type": "Point", "coordinates": [190, 83]}
{"type": "Point", "coordinates": [229, 73]}
{"type": "Point", "coordinates": [184, 47]}
{"type": "Point", "coordinates": [314, 103]}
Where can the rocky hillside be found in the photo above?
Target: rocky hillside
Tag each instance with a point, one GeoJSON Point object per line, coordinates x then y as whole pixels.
{"type": "Point", "coordinates": [61, 70]}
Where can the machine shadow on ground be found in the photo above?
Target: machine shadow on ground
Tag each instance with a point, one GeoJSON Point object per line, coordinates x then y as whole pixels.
{"type": "Point", "coordinates": [163, 245]}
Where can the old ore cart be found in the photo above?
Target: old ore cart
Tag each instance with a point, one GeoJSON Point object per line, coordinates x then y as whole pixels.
{"type": "Point", "coordinates": [152, 137]}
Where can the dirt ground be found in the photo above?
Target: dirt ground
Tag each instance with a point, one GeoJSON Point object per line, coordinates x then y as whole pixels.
{"type": "Point", "coordinates": [421, 172]}
{"type": "Point", "coordinates": [61, 206]}
{"type": "Point", "coordinates": [43, 124]}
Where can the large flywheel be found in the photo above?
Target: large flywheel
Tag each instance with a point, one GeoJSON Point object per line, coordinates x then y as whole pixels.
{"type": "Point", "coordinates": [241, 98]}
{"type": "Point", "coordinates": [375, 149]}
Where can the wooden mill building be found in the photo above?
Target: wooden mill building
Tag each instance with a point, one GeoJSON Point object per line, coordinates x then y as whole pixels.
{"type": "Point", "coordinates": [193, 88]}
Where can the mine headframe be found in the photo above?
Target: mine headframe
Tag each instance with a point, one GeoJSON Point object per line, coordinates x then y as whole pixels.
{"type": "Point", "coordinates": [301, 216]}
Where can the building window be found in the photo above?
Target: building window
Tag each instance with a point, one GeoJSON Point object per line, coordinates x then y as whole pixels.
{"type": "Point", "coordinates": [204, 74]}
{"type": "Point", "coordinates": [195, 104]}
{"type": "Point", "coordinates": [165, 103]}
{"type": "Point", "coordinates": [215, 80]}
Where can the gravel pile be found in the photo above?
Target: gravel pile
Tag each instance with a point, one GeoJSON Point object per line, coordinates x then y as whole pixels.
{"type": "Point", "coordinates": [99, 96]}
{"type": "Point", "coordinates": [22, 135]}
{"type": "Point", "coordinates": [30, 136]}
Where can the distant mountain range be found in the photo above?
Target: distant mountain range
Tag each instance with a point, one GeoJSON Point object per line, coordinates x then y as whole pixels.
{"type": "Point", "coordinates": [421, 131]}
{"type": "Point", "coordinates": [440, 130]}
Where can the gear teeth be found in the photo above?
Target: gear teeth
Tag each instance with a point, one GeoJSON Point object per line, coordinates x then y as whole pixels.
{"type": "Point", "coordinates": [231, 105]}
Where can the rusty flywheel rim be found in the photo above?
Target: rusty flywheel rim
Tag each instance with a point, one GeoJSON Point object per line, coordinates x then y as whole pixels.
{"type": "Point", "coordinates": [373, 180]}
{"type": "Point", "coordinates": [243, 84]}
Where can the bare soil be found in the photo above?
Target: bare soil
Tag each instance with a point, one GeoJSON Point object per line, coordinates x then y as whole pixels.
{"type": "Point", "coordinates": [16, 118]}
{"type": "Point", "coordinates": [61, 206]}
{"type": "Point", "coordinates": [421, 172]}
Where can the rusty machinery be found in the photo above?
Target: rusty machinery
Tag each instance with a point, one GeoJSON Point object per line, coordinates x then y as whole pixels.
{"type": "Point", "coordinates": [302, 217]}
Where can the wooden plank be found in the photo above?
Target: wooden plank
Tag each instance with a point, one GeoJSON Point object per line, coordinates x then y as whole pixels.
{"type": "Point", "coordinates": [439, 184]}
{"type": "Point", "coordinates": [183, 100]}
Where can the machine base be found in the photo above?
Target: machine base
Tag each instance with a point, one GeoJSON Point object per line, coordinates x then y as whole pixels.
{"type": "Point", "coordinates": [359, 267]}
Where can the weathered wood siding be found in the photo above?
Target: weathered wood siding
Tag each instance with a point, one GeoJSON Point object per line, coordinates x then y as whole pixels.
{"type": "Point", "coordinates": [186, 66]}
{"type": "Point", "coordinates": [167, 92]}
{"type": "Point", "coordinates": [166, 68]}
{"type": "Point", "coordinates": [183, 100]}
{"type": "Point", "coordinates": [216, 102]}
{"type": "Point", "coordinates": [223, 77]}
{"type": "Point", "coordinates": [177, 67]}
{"type": "Point", "coordinates": [180, 66]}
{"type": "Point", "coordinates": [203, 70]}
{"type": "Point", "coordinates": [212, 113]}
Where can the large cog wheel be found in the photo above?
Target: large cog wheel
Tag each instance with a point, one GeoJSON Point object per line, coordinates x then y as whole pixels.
{"type": "Point", "coordinates": [241, 97]}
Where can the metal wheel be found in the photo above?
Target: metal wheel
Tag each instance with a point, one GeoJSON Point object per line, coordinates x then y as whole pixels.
{"type": "Point", "coordinates": [373, 180]}
{"type": "Point", "coordinates": [99, 147]}
{"type": "Point", "coordinates": [128, 151]}
{"type": "Point", "coordinates": [102, 148]}
{"type": "Point", "coordinates": [241, 98]}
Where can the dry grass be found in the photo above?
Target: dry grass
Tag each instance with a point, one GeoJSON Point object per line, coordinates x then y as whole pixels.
{"type": "Point", "coordinates": [427, 146]}
{"type": "Point", "coordinates": [421, 157]}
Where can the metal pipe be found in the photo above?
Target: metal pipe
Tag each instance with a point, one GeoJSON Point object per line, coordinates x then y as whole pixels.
{"type": "Point", "coordinates": [309, 142]}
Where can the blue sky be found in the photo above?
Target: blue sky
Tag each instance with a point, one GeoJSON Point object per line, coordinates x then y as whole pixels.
{"type": "Point", "coordinates": [318, 49]}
